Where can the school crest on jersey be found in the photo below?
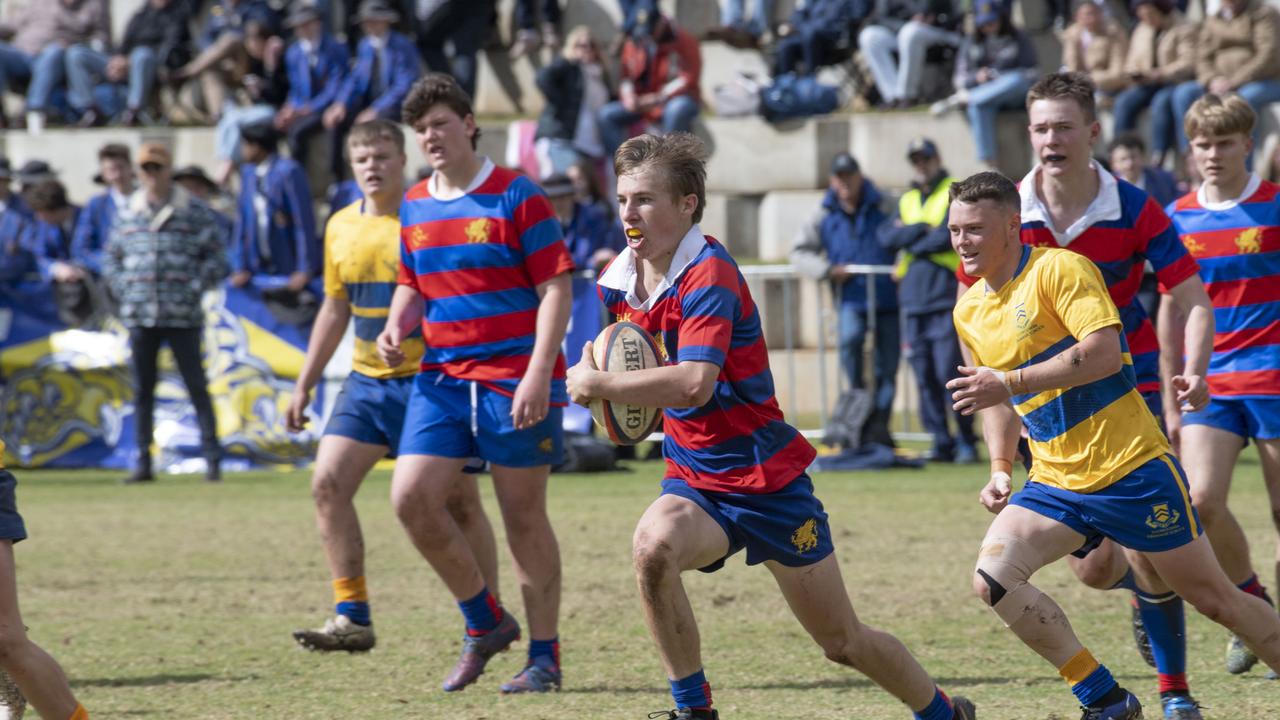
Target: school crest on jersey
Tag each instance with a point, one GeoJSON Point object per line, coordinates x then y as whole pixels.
{"type": "Point", "coordinates": [1194, 246]}
{"type": "Point", "coordinates": [478, 231]}
{"type": "Point", "coordinates": [417, 238]}
{"type": "Point", "coordinates": [1249, 241]}
{"type": "Point", "coordinates": [805, 538]}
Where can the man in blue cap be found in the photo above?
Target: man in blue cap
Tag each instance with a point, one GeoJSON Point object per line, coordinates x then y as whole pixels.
{"type": "Point", "coordinates": [844, 231]}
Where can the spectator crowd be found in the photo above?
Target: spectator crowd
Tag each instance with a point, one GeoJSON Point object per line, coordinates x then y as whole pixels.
{"type": "Point", "coordinates": [284, 83]}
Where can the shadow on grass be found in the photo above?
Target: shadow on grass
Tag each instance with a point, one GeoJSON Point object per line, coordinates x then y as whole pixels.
{"type": "Point", "coordinates": [153, 680]}
{"type": "Point", "coordinates": [842, 683]}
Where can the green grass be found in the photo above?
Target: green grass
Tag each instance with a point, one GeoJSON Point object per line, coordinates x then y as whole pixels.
{"type": "Point", "coordinates": [177, 600]}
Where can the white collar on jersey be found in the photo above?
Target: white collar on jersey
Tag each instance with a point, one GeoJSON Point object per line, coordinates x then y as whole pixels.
{"type": "Point", "coordinates": [1250, 188]}
{"type": "Point", "coordinates": [1105, 206]}
{"type": "Point", "coordinates": [433, 186]}
{"type": "Point", "coordinates": [621, 274]}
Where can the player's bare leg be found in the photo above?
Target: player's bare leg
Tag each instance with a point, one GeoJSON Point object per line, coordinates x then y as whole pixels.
{"type": "Point", "coordinates": [1209, 456]}
{"type": "Point", "coordinates": [522, 497]}
{"type": "Point", "coordinates": [1269, 455]}
{"type": "Point", "coordinates": [468, 511]}
{"type": "Point", "coordinates": [420, 488]}
{"type": "Point", "coordinates": [674, 535]}
{"type": "Point", "coordinates": [817, 596]}
{"type": "Point", "coordinates": [1103, 568]}
{"type": "Point", "coordinates": [1191, 571]}
{"type": "Point", "coordinates": [35, 672]}
{"type": "Point", "coordinates": [1033, 616]}
{"type": "Point", "coordinates": [341, 466]}
{"type": "Point", "coordinates": [420, 493]}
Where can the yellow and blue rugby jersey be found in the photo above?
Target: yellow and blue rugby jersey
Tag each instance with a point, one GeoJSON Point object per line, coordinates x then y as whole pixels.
{"type": "Point", "coordinates": [361, 264]}
{"type": "Point", "coordinates": [1083, 438]}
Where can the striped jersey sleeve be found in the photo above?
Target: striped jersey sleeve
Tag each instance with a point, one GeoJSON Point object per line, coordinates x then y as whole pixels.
{"type": "Point", "coordinates": [1238, 249]}
{"type": "Point", "coordinates": [477, 261]}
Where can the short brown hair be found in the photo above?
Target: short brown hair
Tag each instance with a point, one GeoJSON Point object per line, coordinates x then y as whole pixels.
{"type": "Point", "coordinates": [368, 133]}
{"type": "Point", "coordinates": [681, 159]}
{"type": "Point", "coordinates": [46, 196]}
{"type": "Point", "coordinates": [114, 151]}
{"type": "Point", "coordinates": [1066, 86]}
{"type": "Point", "coordinates": [987, 186]}
{"type": "Point", "coordinates": [1216, 115]}
{"type": "Point", "coordinates": [435, 89]}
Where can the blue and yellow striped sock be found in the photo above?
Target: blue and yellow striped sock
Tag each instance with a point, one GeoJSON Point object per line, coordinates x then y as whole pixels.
{"type": "Point", "coordinates": [1090, 680]}
{"type": "Point", "coordinates": [351, 598]}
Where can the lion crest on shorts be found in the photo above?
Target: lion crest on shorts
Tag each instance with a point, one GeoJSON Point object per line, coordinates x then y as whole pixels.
{"type": "Point", "coordinates": [805, 537]}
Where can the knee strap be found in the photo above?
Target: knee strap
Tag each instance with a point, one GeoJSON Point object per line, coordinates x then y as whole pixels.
{"type": "Point", "coordinates": [1006, 563]}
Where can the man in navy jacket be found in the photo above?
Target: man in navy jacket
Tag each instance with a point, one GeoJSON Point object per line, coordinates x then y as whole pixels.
{"type": "Point", "coordinates": [93, 228]}
{"type": "Point", "coordinates": [843, 231]}
{"type": "Point", "coordinates": [275, 228]}
{"type": "Point", "coordinates": [387, 63]}
{"type": "Point", "coordinates": [316, 65]}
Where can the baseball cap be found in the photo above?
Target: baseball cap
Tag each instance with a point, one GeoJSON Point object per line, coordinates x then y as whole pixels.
{"type": "Point", "coordinates": [844, 164]}
{"type": "Point", "coordinates": [986, 12]}
{"type": "Point", "coordinates": [921, 146]}
{"type": "Point", "coordinates": [557, 185]}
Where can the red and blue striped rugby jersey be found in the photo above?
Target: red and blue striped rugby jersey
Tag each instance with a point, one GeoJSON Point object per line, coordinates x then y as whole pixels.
{"type": "Point", "coordinates": [738, 441]}
{"type": "Point", "coordinates": [1237, 244]}
{"type": "Point", "coordinates": [1127, 229]}
{"type": "Point", "coordinates": [477, 261]}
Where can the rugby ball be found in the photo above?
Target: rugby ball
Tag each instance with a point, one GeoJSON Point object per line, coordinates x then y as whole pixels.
{"type": "Point", "coordinates": [623, 347]}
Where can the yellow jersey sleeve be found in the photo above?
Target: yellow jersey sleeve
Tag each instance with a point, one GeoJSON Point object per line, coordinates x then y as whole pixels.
{"type": "Point", "coordinates": [1079, 295]}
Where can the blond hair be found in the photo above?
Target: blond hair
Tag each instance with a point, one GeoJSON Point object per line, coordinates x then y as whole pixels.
{"type": "Point", "coordinates": [680, 158]}
{"type": "Point", "coordinates": [370, 132]}
{"type": "Point", "coordinates": [1215, 115]}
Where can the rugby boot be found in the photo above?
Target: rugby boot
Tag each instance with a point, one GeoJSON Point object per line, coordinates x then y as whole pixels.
{"type": "Point", "coordinates": [1240, 659]}
{"type": "Point", "coordinates": [1181, 707]}
{"type": "Point", "coordinates": [476, 651]}
{"type": "Point", "coordinates": [13, 705]}
{"type": "Point", "coordinates": [1127, 709]}
{"type": "Point", "coordinates": [685, 714]}
{"type": "Point", "coordinates": [338, 633]}
{"type": "Point", "coordinates": [963, 708]}
{"type": "Point", "coordinates": [538, 676]}
{"type": "Point", "coordinates": [1140, 633]}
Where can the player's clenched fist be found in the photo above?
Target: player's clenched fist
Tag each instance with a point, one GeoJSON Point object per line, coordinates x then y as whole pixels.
{"type": "Point", "coordinates": [578, 378]}
{"type": "Point", "coordinates": [978, 388]}
{"type": "Point", "coordinates": [389, 347]}
{"type": "Point", "coordinates": [295, 419]}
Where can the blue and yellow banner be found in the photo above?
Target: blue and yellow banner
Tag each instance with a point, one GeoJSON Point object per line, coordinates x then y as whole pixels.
{"type": "Point", "coordinates": [66, 395]}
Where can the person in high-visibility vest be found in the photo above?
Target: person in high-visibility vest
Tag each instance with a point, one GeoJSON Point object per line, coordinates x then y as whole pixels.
{"type": "Point", "coordinates": [927, 292]}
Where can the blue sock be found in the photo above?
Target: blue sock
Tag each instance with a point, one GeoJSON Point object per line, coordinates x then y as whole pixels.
{"type": "Point", "coordinates": [1166, 623]}
{"type": "Point", "coordinates": [692, 691]}
{"type": "Point", "coordinates": [356, 612]}
{"type": "Point", "coordinates": [548, 649]}
{"type": "Point", "coordinates": [1094, 687]}
{"type": "Point", "coordinates": [482, 613]}
{"type": "Point", "coordinates": [939, 709]}
{"type": "Point", "coordinates": [1127, 582]}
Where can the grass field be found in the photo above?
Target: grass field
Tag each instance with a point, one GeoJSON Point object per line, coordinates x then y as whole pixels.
{"type": "Point", "coordinates": [177, 600]}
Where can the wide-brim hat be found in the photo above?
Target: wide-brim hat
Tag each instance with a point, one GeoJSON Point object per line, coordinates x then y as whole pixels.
{"type": "Point", "coordinates": [195, 172]}
{"type": "Point", "coordinates": [377, 10]}
{"type": "Point", "coordinates": [301, 13]}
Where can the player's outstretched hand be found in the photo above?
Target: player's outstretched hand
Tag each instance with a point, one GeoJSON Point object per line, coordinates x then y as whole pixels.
{"type": "Point", "coordinates": [389, 348]}
{"type": "Point", "coordinates": [295, 418]}
{"type": "Point", "coordinates": [531, 400]}
{"type": "Point", "coordinates": [578, 378]}
{"type": "Point", "coordinates": [1193, 392]}
{"type": "Point", "coordinates": [976, 389]}
{"type": "Point", "coordinates": [996, 494]}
